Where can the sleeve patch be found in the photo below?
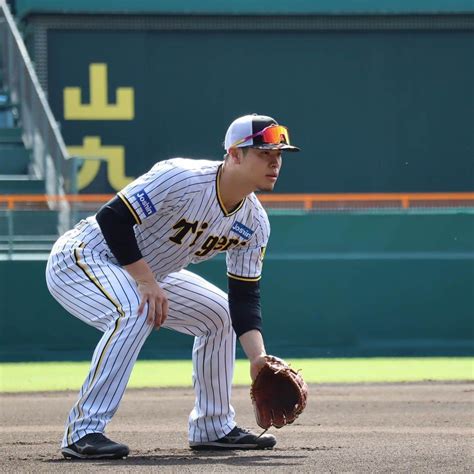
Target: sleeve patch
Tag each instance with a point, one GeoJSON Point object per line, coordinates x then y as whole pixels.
{"type": "Point", "coordinates": [242, 230]}
{"type": "Point", "coordinates": [145, 202]}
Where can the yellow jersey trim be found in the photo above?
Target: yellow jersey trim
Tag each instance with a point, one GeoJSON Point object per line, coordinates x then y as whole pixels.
{"type": "Point", "coordinates": [241, 278]}
{"type": "Point", "coordinates": [120, 310]}
{"type": "Point", "coordinates": [130, 208]}
{"type": "Point", "coordinates": [219, 199]}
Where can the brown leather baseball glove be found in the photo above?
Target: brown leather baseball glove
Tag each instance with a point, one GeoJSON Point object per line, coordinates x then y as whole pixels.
{"type": "Point", "coordinates": [278, 394]}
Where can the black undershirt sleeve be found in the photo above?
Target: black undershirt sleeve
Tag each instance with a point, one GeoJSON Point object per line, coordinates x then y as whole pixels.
{"type": "Point", "coordinates": [116, 223]}
{"type": "Point", "coordinates": [244, 305]}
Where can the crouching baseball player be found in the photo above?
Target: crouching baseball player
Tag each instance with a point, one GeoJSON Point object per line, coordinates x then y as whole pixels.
{"type": "Point", "coordinates": [123, 272]}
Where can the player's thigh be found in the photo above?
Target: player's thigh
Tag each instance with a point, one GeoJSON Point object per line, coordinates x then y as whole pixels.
{"type": "Point", "coordinates": [196, 306]}
{"type": "Point", "coordinates": [91, 287]}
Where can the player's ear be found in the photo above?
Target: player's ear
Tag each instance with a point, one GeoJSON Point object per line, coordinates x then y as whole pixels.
{"type": "Point", "coordinates": [235, 155]}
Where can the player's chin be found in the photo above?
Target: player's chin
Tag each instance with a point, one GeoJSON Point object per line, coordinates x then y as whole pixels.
{"type": "Point", "coordinates": [267, 185]}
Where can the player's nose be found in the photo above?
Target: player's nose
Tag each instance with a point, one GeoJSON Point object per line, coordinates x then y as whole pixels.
{"type": "Point", "coordinates": [275, 163]}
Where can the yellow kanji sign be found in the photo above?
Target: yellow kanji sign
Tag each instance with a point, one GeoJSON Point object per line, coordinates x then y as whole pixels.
{"type": "Point", "coordinates": [93, 153]}
{"type": "Point", "coordinates": [99, 108]}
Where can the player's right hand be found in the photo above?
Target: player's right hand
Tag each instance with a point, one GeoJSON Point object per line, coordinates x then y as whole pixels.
{"type": "Point", "coordinates": [157, 300]}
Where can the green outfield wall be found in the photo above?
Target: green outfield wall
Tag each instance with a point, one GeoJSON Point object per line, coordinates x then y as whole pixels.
{"type": "Point", "coordinates": [245, 7]}
{"type": "Point", "coordinates": [377, 103]}
{"type": "Point", "coordinates": [333, 285]}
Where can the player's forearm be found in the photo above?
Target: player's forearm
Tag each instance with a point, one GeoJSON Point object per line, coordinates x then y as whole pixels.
{"type": "Point", "coordinates": [139, 271]}
{"type": "Point", "coordinates": [254, 348]}
{"type": "Point", "coordinates": [244, 306]}
{"type": "Point", "coordinates": [252, 344]}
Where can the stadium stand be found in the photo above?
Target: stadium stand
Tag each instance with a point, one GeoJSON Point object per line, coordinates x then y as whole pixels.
{"type": "Point", "coordinates": [23, 154]}
{"type": "Point", "coordinates": [15, 157]}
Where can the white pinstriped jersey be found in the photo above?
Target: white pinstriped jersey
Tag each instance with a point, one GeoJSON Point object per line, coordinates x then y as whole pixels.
{"type": "Point", "coordinates": [180, 219]}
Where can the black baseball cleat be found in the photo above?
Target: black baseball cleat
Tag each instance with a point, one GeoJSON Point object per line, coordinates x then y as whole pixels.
{"type": "Point", "coordinates": [238, 438]}
{"type": "Point", "coordinates": [95, 446]}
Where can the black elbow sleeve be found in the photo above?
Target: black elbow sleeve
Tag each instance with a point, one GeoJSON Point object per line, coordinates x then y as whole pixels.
{"type": "Point", "coordinates": [244, 305]}
{"type": "Point", "coordinates": [116, 224]}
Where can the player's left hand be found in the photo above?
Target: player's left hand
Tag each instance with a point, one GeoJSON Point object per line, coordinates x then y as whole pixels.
{"type": "Point", "coordinates": [279, 394]}
{"type": "Point", "coordinates": [256, 365]}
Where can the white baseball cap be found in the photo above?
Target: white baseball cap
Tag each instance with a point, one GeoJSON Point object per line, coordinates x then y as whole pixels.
{"type": "Point", "coordinates": [258, 131]}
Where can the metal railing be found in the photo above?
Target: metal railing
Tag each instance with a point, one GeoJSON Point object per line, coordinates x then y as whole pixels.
{"type": "Point", "coordinates": [354, 201]}
{"type": "Point", "coordinates": [40, 130]}
{"type": "Point", "coordinates": [275, 201]}
{"type": "Point", "coordinates": [14, 243]}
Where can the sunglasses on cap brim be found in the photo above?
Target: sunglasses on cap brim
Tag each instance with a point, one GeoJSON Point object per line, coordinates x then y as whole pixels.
{"type": "Point", "coordinates": [273, 137]}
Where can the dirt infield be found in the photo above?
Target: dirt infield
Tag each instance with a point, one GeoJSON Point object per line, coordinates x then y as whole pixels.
{"type": "Point", "coordinates": [425, 427]}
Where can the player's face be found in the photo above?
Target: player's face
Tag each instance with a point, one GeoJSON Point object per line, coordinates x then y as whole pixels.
{"type": "Point", "coordinates": [262, 168]}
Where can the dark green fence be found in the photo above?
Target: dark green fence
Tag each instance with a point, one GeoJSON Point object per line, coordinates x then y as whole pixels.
{"type": "Point", "coordinates": [333, 285]}
{"type": "Point", "coordinates": [378, 103]}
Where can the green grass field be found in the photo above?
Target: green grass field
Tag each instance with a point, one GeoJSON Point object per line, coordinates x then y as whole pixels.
{"type": "Point", "coordinates": [50, 376]}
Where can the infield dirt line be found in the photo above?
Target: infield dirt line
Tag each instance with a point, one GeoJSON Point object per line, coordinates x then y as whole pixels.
{"type": "Point", "coordinates": [307, 429]}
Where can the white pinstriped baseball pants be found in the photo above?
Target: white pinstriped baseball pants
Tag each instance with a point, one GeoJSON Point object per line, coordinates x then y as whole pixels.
{"type": "Point", "coordinates": [103, 295]}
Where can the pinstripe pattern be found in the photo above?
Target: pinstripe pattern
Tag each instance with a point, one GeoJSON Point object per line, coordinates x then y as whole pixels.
{"type": "Point", "coordinates": [100, 355]}
{"type": "Point", "coordinates": [199, 308]}
{"type": "Point", "coordinates": [180, 220]}
{"type": "Point", "coordinates": [187, 189]}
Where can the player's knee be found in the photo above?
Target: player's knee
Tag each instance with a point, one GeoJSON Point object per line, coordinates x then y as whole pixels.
{"type": "Point", "coordinates": [130, 312]}
{"type": "Point", "coordinates": [224, 321]}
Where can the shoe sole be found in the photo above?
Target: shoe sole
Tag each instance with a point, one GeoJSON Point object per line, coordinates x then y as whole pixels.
{"type": "Point", "coordinates": [213, 446]}
{"type": "Point", "coordinates": [71, 454]}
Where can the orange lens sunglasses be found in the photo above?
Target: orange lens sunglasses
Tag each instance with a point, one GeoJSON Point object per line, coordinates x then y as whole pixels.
{"type": "Point", "coordinates": [271, 135]}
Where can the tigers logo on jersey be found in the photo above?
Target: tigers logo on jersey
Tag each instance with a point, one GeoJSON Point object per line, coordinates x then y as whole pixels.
{"type": "Point", "coordinates": [145, 203]}
{"type": "Point", "coordinates": [242, 230]}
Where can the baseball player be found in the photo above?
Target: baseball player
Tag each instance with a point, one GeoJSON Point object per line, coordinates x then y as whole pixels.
{"type": "Point", "coordinates": [123, 271]}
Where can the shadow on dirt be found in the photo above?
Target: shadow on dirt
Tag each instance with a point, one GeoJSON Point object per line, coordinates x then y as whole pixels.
{"type": "Point", "coordinates": [272, 459]}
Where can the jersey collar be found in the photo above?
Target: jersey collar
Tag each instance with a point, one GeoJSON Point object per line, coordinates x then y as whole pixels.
{"type": "Point", "coordinates": [219, 200]}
